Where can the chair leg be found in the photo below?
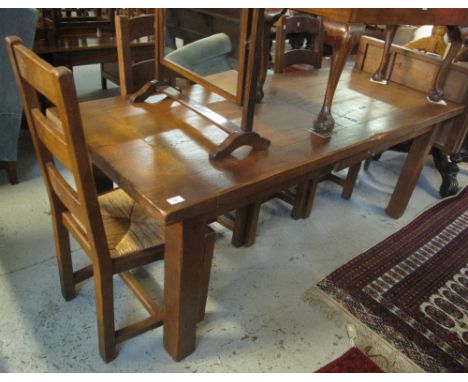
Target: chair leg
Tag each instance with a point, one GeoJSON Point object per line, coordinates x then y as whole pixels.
{"type": "Point", "coordinates": [63, 253]}
{"type": "Point", "coordinates": [309, 202]}
{"type": "Point", "coordinates": [367, 163]}
{"type": "Point", "coordinates": [301, 195]}
{"type": "Point", "coordinates": [251, 224]}
{"type": "Point", "coordinates": [206, 271]}
{"type": "Point", "coordinates": [10, 168]}
{"type": "Point", "coordinates": [105, 311]}
{"type": "Point", "coordinates": [305, 195]}
{"type": "Point", "coordinates": [103, 79]}
{"type": "Point", "coordinates": [238, 230]}
{"type": "Point", "coordinates": [103, 83]}
{"type": "Point", "coordinates": [348, 187]}
{"type": "Point", "coordinates": [245, 225]}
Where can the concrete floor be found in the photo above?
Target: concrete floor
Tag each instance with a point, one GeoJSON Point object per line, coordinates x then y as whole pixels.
{"type": "Point", "coordinates": [256, 318]}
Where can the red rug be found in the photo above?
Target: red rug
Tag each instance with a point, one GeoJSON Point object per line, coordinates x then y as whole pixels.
{"type": "Point", "coordinates": [412, 288]}
{"type": "Point", "coordinates": [353, 361]}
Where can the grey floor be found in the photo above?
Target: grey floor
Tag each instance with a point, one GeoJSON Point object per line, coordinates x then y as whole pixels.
{"type": "Point", "coordinates": [256, 317]}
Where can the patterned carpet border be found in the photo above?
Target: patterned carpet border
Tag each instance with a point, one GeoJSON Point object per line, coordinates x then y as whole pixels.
{"type": "Point", "coordinates": [381, 351]}
{"type": "Point", "coordinates": [353, 361]}
{"type": "Point", "coordinates": [412, 288]}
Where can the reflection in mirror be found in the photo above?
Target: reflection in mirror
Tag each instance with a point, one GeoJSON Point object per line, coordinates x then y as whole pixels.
{"type": "Point", "coordinates": [206, 44]}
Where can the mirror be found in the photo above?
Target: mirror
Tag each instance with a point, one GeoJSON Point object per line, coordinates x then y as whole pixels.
{"type": "Point", "coordinates": [206, 46]}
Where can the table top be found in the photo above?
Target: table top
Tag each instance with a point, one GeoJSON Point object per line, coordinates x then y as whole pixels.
{"type": "Point", "coordinates": [394, 16]}
{"type": "Point", "coordinates": [78, 43]}
{"type": "Point", "coordinates": [159, 151]}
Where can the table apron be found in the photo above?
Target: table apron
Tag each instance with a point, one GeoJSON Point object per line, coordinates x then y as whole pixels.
{"type": "Point", "coordinates": [258, 192]}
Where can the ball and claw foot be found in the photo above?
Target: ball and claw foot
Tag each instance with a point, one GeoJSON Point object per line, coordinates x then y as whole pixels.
{"type": "Point", "coordinates": [449, 184]}
{"type": "Point", "coordinates": [448, 171]}
{"type": "Point", "coordinates": [378, 78]}
{"type": "Point", "coordinates": [324, 124]}
{"type": "Point", "coordinates": [436, 96]}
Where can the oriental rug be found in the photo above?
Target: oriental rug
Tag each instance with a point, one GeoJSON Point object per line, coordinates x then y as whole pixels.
{"type": "Point", "coordinates": [353, 361]}
{"type": "Point", "coordinates": [412, 288]}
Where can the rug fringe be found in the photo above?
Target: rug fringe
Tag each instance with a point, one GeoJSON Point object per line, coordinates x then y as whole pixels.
{"type": "Point", "coordinates": [383, 353]}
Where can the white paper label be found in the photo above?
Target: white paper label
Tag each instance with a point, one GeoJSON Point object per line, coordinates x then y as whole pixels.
{"type": "Point", "coordinates": [175, 200]}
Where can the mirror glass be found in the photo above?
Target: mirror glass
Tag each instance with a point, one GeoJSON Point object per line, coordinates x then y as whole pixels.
{"type": "Point", "coordinates": [206, 44]}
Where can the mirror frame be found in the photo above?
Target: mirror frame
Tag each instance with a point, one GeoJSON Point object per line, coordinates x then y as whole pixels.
{"type": "Point", "coordinates": [238, 98]}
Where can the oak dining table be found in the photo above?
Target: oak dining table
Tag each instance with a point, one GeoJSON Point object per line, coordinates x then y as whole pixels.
{"type": "Point", "coordinates": [158, 152]}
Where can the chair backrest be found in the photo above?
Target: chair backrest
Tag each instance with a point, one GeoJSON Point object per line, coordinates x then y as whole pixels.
{"type": "Point", "coordinates": [134, 72]}
{"type": "Point", "coordinates": [302, 25]}
{"type": "Point", "coordinates": [58, 135]}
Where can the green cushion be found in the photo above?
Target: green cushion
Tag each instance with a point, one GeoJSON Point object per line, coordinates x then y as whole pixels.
{"type": "Point", "coordinates": [205, 56]}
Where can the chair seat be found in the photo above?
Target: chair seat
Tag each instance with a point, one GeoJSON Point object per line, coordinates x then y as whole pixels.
{"type": "Point", "coordinates": [129, 228]}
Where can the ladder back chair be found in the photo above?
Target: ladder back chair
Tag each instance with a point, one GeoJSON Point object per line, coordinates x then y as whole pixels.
{"type": "Point", "coordinates": [134, 71]}
{"type": "Point", "coordinates": [115, 232]}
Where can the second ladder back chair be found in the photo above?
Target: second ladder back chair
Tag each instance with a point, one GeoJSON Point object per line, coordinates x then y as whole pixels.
{"type": "Point", "coordinates": [115, 232]}
{"type": "Point", "coordinates": [134, 71]}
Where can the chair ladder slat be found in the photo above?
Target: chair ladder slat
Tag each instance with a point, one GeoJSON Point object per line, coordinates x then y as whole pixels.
{"type": "Point", "coordinates": [77, 231]}
{"type": "Point", "coordinates": [66, 194]}
{"type": "Point", "coordinates": [52, 138]}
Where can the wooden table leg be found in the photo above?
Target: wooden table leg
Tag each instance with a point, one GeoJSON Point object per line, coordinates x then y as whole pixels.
{"type": "Point", "coordinates": [380, 76]}
{"type": "Point", "coordinates": [183, 273]}
{"type": "Point", "coordinates": [342, 37]}
{"type": "Point", "coordinates": [410, 173]}
{"type": "Point", "coordinates": [436, 94]}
